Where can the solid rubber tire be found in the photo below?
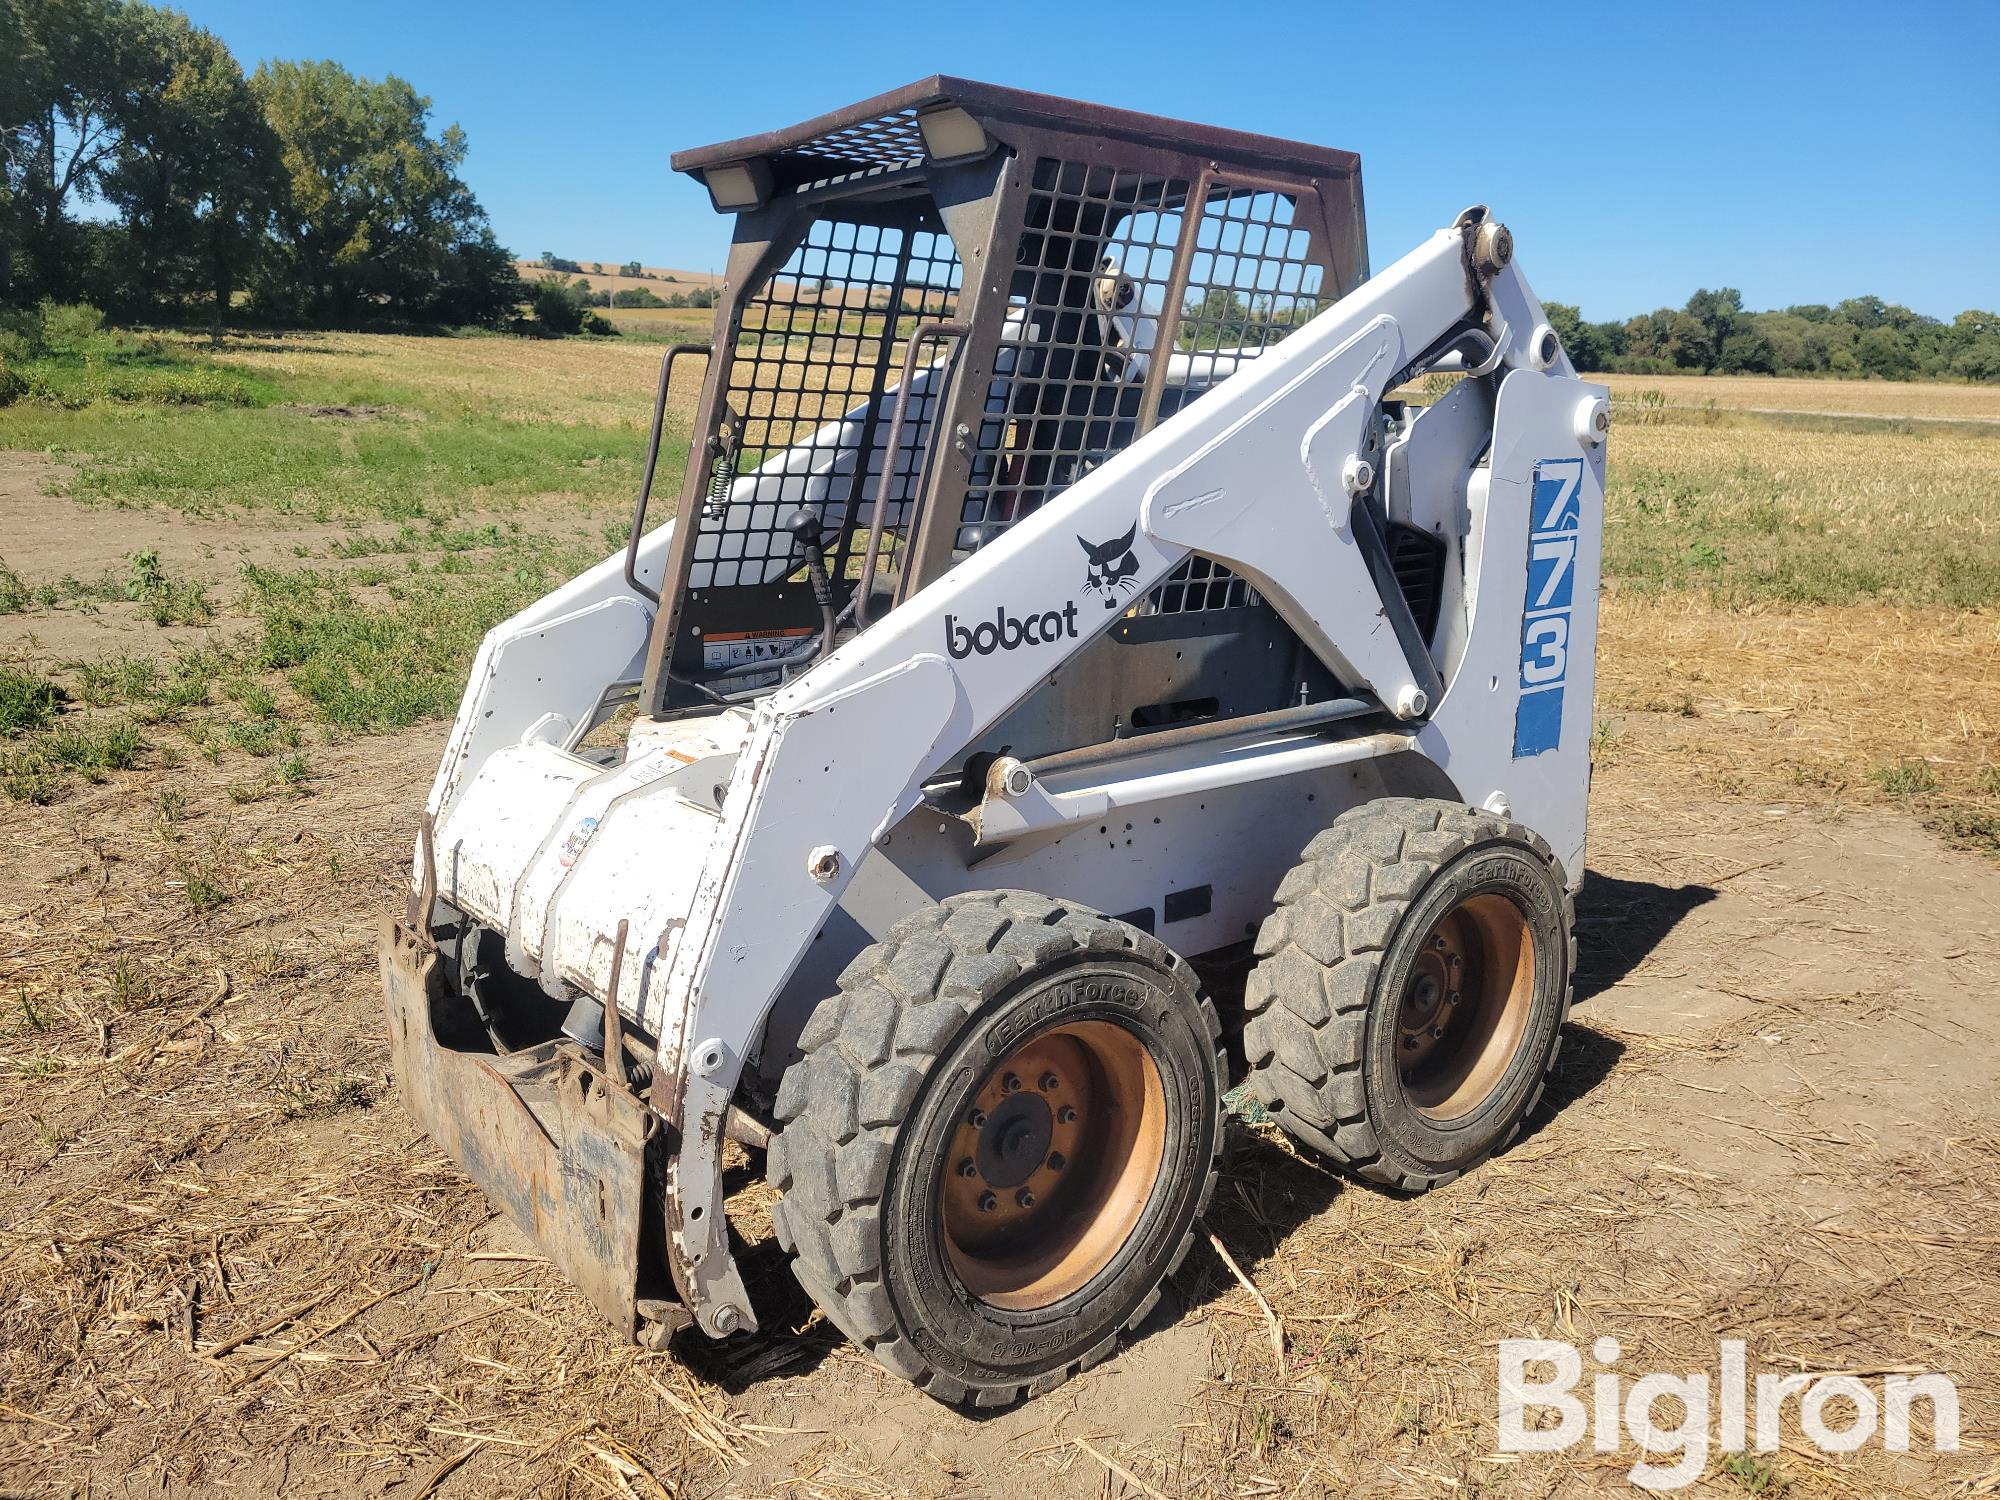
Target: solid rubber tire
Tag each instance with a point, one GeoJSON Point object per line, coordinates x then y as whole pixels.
{"type": "Point", "coordinates": [865, 1117]}
{"type": "Point", "coordinates": [1321, 999]}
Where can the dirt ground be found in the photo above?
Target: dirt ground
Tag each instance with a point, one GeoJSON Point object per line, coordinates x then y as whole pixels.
{"type": "Point", "coordinates": [233, 1268]}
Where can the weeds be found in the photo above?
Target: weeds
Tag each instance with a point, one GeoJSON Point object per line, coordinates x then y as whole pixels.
{"type": "Point", "coordinates": [205, 891]}
{"type": "Point", "coordinates": [167, 601]}
{"type": "Point", "coordinates": [27, 702]}
{"type": "Point", "coordinates": [1906, 778]}
{"type": "Point", "coordinates": [1755, 1474]}
{"type": "Point", "coordinates": [33, 1019]}
{"type": "Point", "coordinates": [130, 988]}
{"type": "Point", "coordinates": [320, 1095]}
{"type": "Point", "coordinates": [37, 771]}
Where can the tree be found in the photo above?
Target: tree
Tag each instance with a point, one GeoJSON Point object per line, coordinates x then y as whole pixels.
{"type": "Point", "coordinates": [477, 285]}
{"type": "Point", "coordinates": [1976, 345]}
{"type": "Point", "coordinates": [1591, 346]}
{"type": "Point", "coordinates": [1746, 351]}
{"type": "Point", "coordinates": [373, 209]}
{"type": "Point", "coordinates": [66, 66]}
{"type": "Point", "coordinates": [194, 171]}
{"type": "Point", "coordinates": [1885, 352]}
{"type": "Point", "coordinates": [558, 303]}
{"type": "Point", "coordinates": [1717, 312]}
{"type": "Point", "coordinates": [1689, 344]}
{"type": "Point", "coordinates": [631, 268]}
{"type": "Point", "coordinates": [637, 296]}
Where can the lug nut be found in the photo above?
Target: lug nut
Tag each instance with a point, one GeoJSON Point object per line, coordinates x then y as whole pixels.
{"type": "Point", "coordinates": [1010, 1083]}
{"type": "Point", "coordinates": [1452, 998]}
{"type": "Point", "coordinates": [1056, 1161]}
{"type": "Point", "coordinates": [1025, 1198]}
{"type": "Point", "coordinates": [966, 1168]}
{"type": "Point", "coordinates": [976, 1119]}
{"type": "Point", "coordinates": [1457, 962]}
{"type": "Point", "coordinates": [1438, 942]}
{"type": "Point", "coordinates": [1437, 1031]}
{"type": "Point", "coordinates": [987, 1203]}
{"type": "Point", "coordinates": [1066, 1115]}
{"type": "Point", "coordinates": [1050, 1083]}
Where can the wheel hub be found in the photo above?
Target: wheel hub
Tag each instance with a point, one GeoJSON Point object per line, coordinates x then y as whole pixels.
{"type": "Point", "coordinates": [1464, 1009]}
{"type": "Point", "coordinates": [1014, 1142]}
{"type": "Point", "coordinates": [1051, 1163]}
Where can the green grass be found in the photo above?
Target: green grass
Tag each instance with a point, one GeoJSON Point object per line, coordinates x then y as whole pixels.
{"type": "Point", "coordinates": [1906, 778]}
{"type": "Point", "coordinates": [123, 368]}
{"type": "Point", "coordinates": [213, 461]}
{"type": "Point", "coordinates": [41, 766]}
{"type": "Point", "coordinates": [371, 664]}
{"type": "Point", "coordinates": [27, 702]}
{"type": "Point", "coordinates": [1755, 1474]}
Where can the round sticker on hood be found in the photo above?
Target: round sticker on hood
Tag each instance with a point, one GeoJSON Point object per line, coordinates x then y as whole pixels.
{"type": "Point", "coordinates": [578, 837]}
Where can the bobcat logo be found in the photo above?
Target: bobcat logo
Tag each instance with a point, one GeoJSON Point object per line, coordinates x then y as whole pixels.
{"type": "Point", "coordinates": [1112, 566]}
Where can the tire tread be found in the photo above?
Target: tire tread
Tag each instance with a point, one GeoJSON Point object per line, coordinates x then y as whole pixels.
{"type": "Point", "coordinates": [1337, 912]}
{"type": "Point", "coordinates": [869, 1048]}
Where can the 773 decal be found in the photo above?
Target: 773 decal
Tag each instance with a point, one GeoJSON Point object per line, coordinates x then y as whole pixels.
{"type": "Point", "coordinates": [1545, 616]}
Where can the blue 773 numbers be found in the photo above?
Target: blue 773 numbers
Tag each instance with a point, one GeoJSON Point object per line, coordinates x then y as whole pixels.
{"type": "Point", "coordinates": [1545, 616]}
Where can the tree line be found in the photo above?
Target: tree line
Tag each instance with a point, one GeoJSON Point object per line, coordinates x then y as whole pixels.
{"type": "Point", "coordinates": [1714, 335]}
{"type": "Point", "coordinates": [143, 171]}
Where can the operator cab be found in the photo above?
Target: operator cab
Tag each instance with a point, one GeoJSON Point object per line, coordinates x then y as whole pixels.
{"type": "Point", "coordinates": [944, 306]}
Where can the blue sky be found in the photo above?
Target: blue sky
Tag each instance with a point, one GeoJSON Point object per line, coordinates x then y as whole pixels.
{"type": "Point", "coordinates": [1802, 153]}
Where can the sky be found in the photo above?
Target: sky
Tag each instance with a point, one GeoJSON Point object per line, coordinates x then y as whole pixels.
{"type": "Point", "coordinates": [1798, 152]}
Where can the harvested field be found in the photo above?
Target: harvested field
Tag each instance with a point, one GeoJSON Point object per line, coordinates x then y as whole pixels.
{"type": "Point", "coordinates": [1780, 393]}
{"type": "Point", "coordinates": [235, 1269]}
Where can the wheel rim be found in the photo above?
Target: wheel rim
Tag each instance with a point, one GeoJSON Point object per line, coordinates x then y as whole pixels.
{"type": "Point", "coordinates": [1051, 1164]}
{"type": "Point", "coordinates": [1465, 1008]}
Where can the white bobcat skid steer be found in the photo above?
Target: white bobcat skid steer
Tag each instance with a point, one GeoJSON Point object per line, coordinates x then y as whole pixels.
{"type": "Point", "coordinates": [1058, 593]}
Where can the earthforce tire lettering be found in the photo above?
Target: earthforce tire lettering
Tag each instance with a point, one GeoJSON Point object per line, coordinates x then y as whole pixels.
{"type": "Point", "coordinates": [996, 1145]}
{"type": "Point", "coordinates": [1410, 989]}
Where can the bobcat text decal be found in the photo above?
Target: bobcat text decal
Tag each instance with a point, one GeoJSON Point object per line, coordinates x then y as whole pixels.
{"type": "Point", "coordinates": [1006, 632]}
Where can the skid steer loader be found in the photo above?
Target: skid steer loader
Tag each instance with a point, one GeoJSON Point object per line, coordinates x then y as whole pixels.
{"type": "Point", "coordinates": [1059, 592]}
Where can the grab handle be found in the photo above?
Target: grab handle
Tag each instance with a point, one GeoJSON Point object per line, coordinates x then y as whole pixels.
{"type": "Point", "coordinates": [652, 459]}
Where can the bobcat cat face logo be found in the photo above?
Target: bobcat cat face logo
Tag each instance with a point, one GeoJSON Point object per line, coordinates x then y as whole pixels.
{"type": "Point", "coordinates": [1112, 566]}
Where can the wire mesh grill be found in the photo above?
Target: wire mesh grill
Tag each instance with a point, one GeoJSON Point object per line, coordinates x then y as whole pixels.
{"type": "Point", "coordinates": [1251, 280]}
{"type": "Point", "coordinates": [817, 347]}
{"type": "Point", "coordinates": [891, 140]}
{"type": "Point", "coordinates": [1089, 316]}
{"type": "Point", "coordinates": [1092, 275]}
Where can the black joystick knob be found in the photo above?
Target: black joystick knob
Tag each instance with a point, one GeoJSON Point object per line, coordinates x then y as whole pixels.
{"type": "Point", "coordinates": [804, 525]}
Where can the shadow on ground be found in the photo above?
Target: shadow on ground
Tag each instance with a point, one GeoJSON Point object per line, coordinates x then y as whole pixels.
{"type": "Point", "coordinates": [1620, 922]}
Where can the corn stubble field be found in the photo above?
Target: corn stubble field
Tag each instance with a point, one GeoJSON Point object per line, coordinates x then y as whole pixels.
{"type": "Point", "coordinates": [240, 590]}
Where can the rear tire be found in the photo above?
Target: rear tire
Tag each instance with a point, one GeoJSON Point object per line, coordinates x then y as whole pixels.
{"type": "Point", "coordinates": [997, 1142]}
{"type": "Point", "coordinates": [1411, 989]}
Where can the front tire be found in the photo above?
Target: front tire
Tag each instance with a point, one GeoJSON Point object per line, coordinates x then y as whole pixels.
{"type": "Point", "coordinates": [997, 1142]}
{"type": "Point", "coordinates": [1411, 988]}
